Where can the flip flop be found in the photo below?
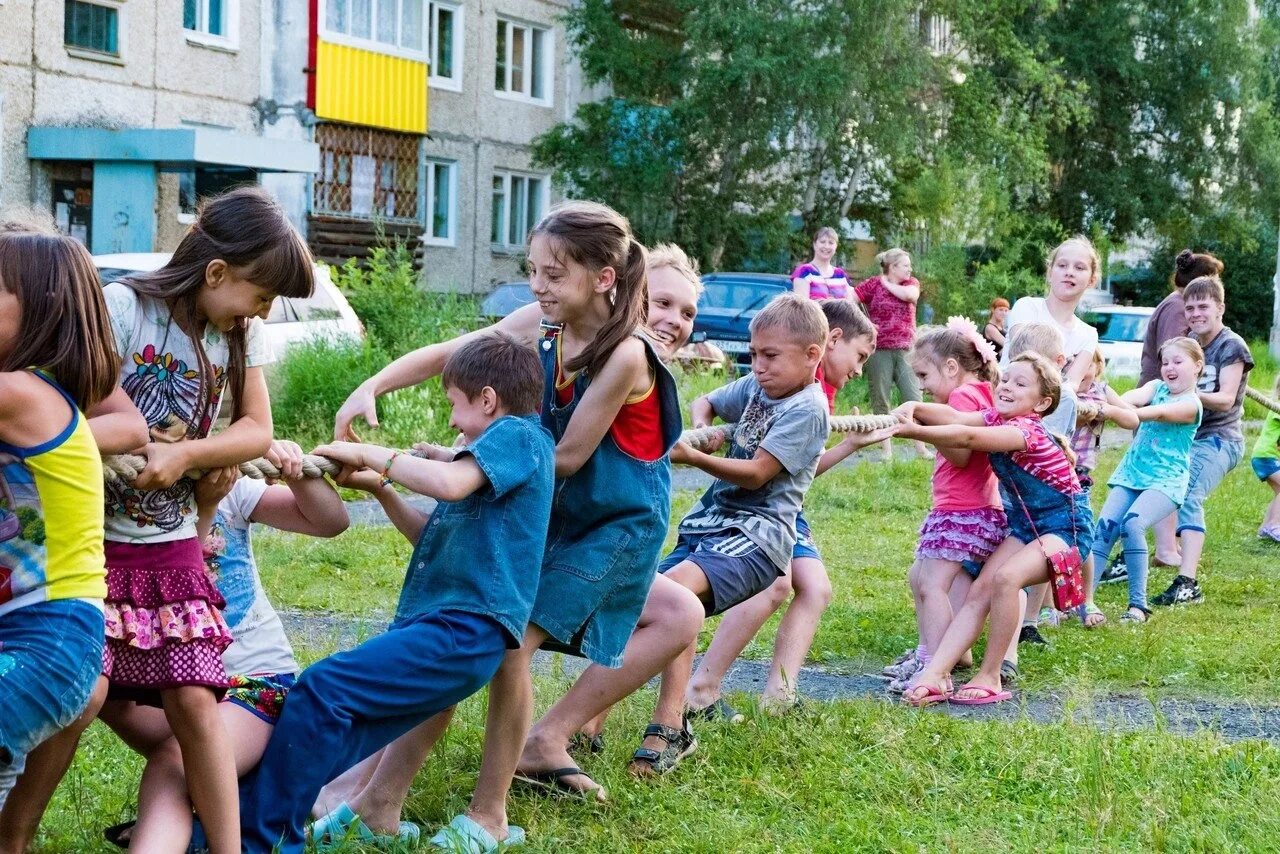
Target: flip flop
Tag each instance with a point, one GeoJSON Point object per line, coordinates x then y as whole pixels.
{"type": "Point", "coordinates": [341, 825]}
{"type": "Point", "coordinates": [717, 711]}
{"type": "Point", "coordinates": [988, 697]}
{"type": "Point", "coordinates": [464, 835]}
{"type": "Point", "coordinates": [931, 696]}
{"type": "Point", "coordinates": [553, 783]}
{"type": "Point", "coordinates": [581, 742]}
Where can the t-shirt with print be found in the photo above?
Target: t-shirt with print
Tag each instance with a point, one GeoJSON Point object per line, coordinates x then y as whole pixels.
{"type": "Point", "coordinates": [835, 286]}
{"type": "Point", "coordinates": [1226, 348]}
{"type": "Point", "coordinates": [1043, 458]}
{"type": "Point", "coordinates": [161, 376]}
{"type": "Point", "coordinates": [1160, 456]}
{"type": "Point", "coordinates": [261, 646]}
{"type": "Point", "coordinates": [793, 430]}
{"type": "Point", "coordinates": [972, 486]}
{"type": "Point", "coordinates": [894, 319]}
{"type": "Point", "coordinates": [1077, 337]}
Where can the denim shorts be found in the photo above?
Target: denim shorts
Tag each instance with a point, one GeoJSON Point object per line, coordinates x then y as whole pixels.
{"type": "Point", "coordinates": [1212, 458]}
{"type": "Point", "coordinates": [735, 567]}
{"type": "Point", "coordinates": [1077, 531]}
{"type": "Point", "coordinates": [50, 658]}
{"type": "Point", "coordinates": [805, 546]}
{"type": "Point", "coordinates": [1265, 467]}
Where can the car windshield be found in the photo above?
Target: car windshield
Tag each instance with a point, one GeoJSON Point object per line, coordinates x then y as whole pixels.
{"type": "Point", "coordinates": [318, 306]}
{"type": "Point", "coordinates": [1118, 326]}
{"type": "Point", "coordinates": [730, 296]}
{"type": "Point", "coordinates": [507, 298]}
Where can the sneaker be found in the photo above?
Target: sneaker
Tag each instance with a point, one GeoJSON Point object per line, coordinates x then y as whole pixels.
{"type": "Point", "coordinates": [1183, 591]}
{"type": "Point", "coordinates": [1030, 634]}
{"type": "Point", "coordinates": [893, 668]}
{"type": "Point", "coordinates": [903, 681]}
{"type": "Point", "coordinates": [1115, 571]}
{"type": "Point", "coordinates": [1272, 534]}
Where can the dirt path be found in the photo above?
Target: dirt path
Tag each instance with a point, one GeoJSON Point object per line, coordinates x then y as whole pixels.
{"type": "Point", "coordinates": [1232, 720]}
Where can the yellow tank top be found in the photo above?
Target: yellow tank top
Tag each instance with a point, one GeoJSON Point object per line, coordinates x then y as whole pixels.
{"type": "Point", "coordinates": [51, 517]}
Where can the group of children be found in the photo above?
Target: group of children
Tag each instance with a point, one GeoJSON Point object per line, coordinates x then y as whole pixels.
{"type": "Point", "coordinates": [141, 604]}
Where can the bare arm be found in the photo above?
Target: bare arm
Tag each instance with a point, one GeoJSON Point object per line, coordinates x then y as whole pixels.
{"type": "Point", "coordinates": [988, 439]}
{"type": "Point", "coordinates": [1224, 399]}
{"type": "Point", "coordinates": [993, 333]}
{"type": "Point", "coordinates": [904, 292]}
{"type": "Point", "coordinates": [801, 287]}
{"type": "Point", "coordinates": [1079, 367]}
{"type": "Point", "coordinates": [850, 443]}
{"type": "Point", "coordinates": [626, 368]}
{"type": "Point", "coordinates": [117, 425]}
{"type": "Point", "coordinates": [422, 364]}
{"type": "Point", "coordinates": [406, 518]}
{"type": "Point", "coordinates": [1141, 395]}
{"type": "Point", "coordinates": [1175, 412]}
{"type": "Point", "coordinates": [443, 481]}
{"type": "Point", "coordinates": [304, 506]}
{"type": "Point", "coordinates": [702, 413]}
{"type": "Point", "coordinates": [748, 474]}
{"type": "Point", "coordinates": [937, 413]}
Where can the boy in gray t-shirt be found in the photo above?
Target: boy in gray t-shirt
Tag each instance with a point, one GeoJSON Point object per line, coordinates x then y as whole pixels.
{"type": "Point", "coordinates": [738, 539]}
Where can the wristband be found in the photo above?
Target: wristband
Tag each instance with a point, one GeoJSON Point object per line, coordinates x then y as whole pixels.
{"type": "Point", "coordinates": [386, 470]}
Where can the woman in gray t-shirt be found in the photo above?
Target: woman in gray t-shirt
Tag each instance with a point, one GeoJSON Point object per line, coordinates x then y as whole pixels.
{"type": "Point", "coordinates": [1219, 443]}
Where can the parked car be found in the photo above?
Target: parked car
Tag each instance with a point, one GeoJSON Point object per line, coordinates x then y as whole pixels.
{"type": "Point", "coordinates": [326, 313]}
{"type": "Point", "coordinates": [1121, 329]}
{"type": "Point", "coordinates": [504, 299]}
{"type": "Point", "coordinates": [727, 304]}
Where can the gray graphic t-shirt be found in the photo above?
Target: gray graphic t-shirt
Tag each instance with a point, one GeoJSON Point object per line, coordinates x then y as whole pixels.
{"type": "Point", "coordinates": [794, 430]}
{"type": "Point", "coordinates": [1225, 349]}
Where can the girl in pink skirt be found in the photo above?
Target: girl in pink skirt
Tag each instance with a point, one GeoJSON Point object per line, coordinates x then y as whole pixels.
{"type": "Point", "coordinates": [185, 332]}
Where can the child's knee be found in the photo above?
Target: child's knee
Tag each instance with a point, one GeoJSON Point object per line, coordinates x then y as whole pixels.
{"type": "Point", "coordinates": [816, 590]}
{"type": "Point", "coordinates": [780, 591]}
{"type": "Point", "coordinates": [1134, 528]}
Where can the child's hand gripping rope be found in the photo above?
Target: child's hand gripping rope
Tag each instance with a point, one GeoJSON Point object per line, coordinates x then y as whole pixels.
{"type": "Point", "coordinates": [708, 439]}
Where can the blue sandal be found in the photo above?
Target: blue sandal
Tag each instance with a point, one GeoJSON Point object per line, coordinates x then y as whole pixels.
{"type": "Point", "coordinates": [464, 835]}
{"type": "Point", "coordinates": [342, 825]}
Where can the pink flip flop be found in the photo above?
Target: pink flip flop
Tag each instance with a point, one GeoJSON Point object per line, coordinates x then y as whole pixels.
{"type": "Point", "coordinates": [988, 697]}
{"type": "Point", "coordinates": [933, 696]}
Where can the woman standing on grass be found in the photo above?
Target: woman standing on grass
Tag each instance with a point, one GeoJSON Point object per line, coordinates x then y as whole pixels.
{"type": "Point", "coordinates": [890, 301]}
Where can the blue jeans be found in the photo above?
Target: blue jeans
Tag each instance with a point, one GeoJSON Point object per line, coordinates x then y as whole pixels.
{"type": "Point", "coordinates": [349, 706]}
{"type": "Point", "coordinates": [1212, 459]}
{"type": "Point", "coordinates": [1128, 513]}
{"type": "Point", "coordinates": [50, 658]}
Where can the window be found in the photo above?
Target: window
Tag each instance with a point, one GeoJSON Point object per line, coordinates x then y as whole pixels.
{"type": "Point", "coordinates": [518, 202]}
{"type": "Point", "coordinates": [367, 174]}
{"type": "Point", "coordinates": [446, 46]}
{"type": "Point", "coordinates": [211, 21]}
{"type": "Point", "coordinates": [92, 26]}
{"type": "Point", "coordinates": [388, 26]}
{"type": "Point", "coordinates": [523, 66]}
{"type": "Point", "coordinates": [441, 192]}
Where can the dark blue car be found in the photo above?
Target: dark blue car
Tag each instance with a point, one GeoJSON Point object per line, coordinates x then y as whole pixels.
{"type": "Point", "coordinates": [728, 302]}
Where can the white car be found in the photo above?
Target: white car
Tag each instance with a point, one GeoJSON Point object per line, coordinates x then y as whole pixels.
{"type": "Point", "coordinates": [1121, 329]}
{"type": "Point", "coordinates": [326, 313]}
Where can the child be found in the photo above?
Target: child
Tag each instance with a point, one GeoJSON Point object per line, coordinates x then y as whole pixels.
{"type": "Point", "coordinates": [674, 288]}
{"type": "Point", "coordinates": [739, 537]}
{"type": "Point", "coordinates": [967, 522]}
{"type": "Point", "coordinates": [1219, 443]}
{"type": "Point", "coordinates": [821, 278]}
{"type": "Point", "coordinates": [1151, 481]}
{"type": "Point", "coordinates": [613, 407]}
{"type": "Point", "coordinates": [1047, 510]}
{"type": "Point", "coordinates": [851, 340]}
{"type": "Point", "coordinates": [1072, 268]}
{"type": "Point", "coordinates": [185, 332]}
{"type": "Point", "coordinates": [52, 570]}
{"type": "Point", "coordinates": [456, 617]}
{"type": "Point", "coordinates": [1266, 465]}
{"type": "Point", "coordinates": [261, 663]}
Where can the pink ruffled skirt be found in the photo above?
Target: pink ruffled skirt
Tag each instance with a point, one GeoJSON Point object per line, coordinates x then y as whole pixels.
{"type": "Point", "coordinates": [962, 535]}
{"type": "Point", "coordinates": [164, 621]}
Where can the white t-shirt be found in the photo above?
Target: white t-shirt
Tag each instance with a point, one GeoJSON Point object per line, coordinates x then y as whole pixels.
{"type": "Point", "coordinates": [1078, 337]}
{"type": "Point", "coordinates": [160, 373]}
{"type": "Point", "coordinates": [261, 646]}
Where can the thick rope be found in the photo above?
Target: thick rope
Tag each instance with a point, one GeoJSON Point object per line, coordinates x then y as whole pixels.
{"type": "Point", "coordinates": [127, 467]}
{"type": "Point", "coordinates": [700, 438]}
{"type": "Point", "coordinates": [1261, 399]}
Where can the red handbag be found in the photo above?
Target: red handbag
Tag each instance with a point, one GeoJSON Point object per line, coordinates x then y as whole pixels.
{"type": "Point", "coordinates": [1066, 576]}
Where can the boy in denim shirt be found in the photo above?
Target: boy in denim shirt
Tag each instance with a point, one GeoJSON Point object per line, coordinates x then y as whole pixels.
{"type": "Point", "coordinates": [465, 601]}
{"type": "Point", "coordinates": [739, 537]}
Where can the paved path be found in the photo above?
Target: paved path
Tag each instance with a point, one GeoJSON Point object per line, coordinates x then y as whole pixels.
{"type": "Point", "coordinates": [1232, 720]}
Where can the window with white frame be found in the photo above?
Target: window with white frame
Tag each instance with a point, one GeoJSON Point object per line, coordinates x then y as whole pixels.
{"type": "Point", "coordinates": [442, 187]}
{"type": "Point", "coordinates": [518, 203]}
{"type": "Point", "coordinates": [212, 21]}
{"type": "Point", "coordinates": [523, 65]}
{"type": "Point", "coordinates": [445, 29]}
{"type": "Point", "coordinates": [388, 26]}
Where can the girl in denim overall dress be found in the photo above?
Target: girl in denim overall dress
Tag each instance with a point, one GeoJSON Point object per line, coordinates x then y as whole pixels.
{"type": "Point", "coordinates": [613, 409]}
{"type": "Point", "coordinates": [1047, 511]}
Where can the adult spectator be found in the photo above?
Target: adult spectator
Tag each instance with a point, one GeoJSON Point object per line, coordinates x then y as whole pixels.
{"type": "Point", "coordinates": [1169, 319]}
{"type": "Point", "coordinates": [994, 330]}
{"type": "Point", "coordinates": [820, 278]}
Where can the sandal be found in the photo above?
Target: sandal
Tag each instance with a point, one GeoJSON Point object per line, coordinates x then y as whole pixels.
{"type": "Point", "coordinates": [1008, 672]}
{"type": "Point", "coordinates": [342, 825]}
{"type": "Point", "coordinates": [1136, 615]}
{"type": "Point", "coordinates": [583, 743]}
{"type": "Point", "coordinates": [466, 836]}
{"type": "Point", "coordinates": [1088, 610]}
{"type": "Point", "coordinates": [553, 783]}
{"type": "Point", "coordinates": [647, 762]}
{"type": "Point", "coordinates": [717, 711]}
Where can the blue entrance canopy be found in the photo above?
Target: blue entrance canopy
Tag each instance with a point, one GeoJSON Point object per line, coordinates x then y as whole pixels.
{"type": "Point", "coordinates": [198, 146]}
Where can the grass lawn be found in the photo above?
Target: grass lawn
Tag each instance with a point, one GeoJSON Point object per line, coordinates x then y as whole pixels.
{"type": "Point", "coordinates": [864, 774]}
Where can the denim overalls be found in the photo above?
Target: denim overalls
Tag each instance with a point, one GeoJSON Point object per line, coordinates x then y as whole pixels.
{"type": "Point", "coordinates": [1050, 510]}
{"type": "Point", "coordinates": [608, 523]}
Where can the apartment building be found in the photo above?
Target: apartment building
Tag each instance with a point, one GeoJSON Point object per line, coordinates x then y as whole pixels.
{"type": "Point", "coordinates": [117, 115]}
